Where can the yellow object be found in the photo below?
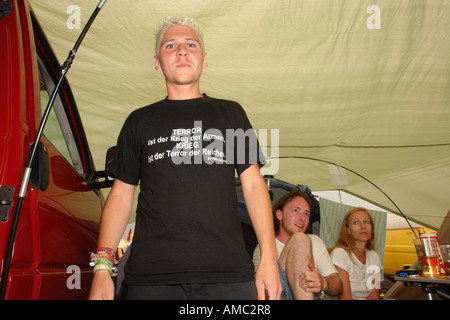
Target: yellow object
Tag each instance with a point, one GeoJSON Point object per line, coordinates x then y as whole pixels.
{"type": "Point", "coordinates": [399, 250]}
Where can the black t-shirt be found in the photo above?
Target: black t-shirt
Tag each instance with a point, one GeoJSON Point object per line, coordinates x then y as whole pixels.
{"type": "Point", "coordinates": [185, 154]}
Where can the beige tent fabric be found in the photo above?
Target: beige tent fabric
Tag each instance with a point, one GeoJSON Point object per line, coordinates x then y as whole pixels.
{"type": "Point", "coordinates": [362, 84]}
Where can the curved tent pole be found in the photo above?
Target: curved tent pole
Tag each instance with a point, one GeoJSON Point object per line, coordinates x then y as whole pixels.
{"type": "Point", "coordinates": [26, 177]}
{"type": "Point", "coordinates": [359, 175]}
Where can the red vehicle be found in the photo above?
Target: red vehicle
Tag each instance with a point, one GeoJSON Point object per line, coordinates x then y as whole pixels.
{"type": "Point", "coordinates": [59, 219]}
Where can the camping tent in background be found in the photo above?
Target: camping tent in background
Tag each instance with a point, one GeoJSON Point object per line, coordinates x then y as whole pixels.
{"type": "Point", "coordinates": [344, 95]}
{"type": "Point", "coordinates": [326, 214]}
{"type": "Point", "coordinates": [325, 220]}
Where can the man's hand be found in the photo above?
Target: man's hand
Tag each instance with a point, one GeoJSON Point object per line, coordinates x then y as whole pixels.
{"type": "Point", "coordinates": [311, 281]}
{"type": "Point", "coordinates": [267, 280]}
{"type": "Point", "coordinates": [102, 286]}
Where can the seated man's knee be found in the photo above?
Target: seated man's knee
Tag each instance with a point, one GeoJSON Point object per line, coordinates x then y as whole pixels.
{"type": "Point", "coordinates": [298, 245]}
{"type": "Point", "coordinates": [299, 239]}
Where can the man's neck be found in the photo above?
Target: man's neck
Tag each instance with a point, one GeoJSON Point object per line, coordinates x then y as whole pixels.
{"type": "Point", "coordinates": [183, 92]}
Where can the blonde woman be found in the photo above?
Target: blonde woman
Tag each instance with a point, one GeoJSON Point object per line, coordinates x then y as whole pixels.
{"type": "Point", "coordinates": [355, 258]}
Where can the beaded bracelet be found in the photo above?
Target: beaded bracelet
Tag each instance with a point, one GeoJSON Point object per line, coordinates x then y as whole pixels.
{"type": "Point", "coordinates": [96, 259]}
{"type": "Point", "coordinates": [104, 259]}
{"type": "Point", "coordinates": [104, 267]}
{"type": "Point", "coordinates": [106, 250]}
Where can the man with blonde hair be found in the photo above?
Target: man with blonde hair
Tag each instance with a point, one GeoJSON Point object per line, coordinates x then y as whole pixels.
{"type": "Point", "coordinates": [188, 242]}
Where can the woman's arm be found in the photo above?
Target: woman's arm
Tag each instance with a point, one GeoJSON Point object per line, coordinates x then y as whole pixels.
{"type": "Point", "coordinates": [346, 288]}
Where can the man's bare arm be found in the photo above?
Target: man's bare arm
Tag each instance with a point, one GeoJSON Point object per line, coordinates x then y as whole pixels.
{"type": "Point", "coordinates": [259, 208]}
{"type": "Point", "coordinates": [115, 217]}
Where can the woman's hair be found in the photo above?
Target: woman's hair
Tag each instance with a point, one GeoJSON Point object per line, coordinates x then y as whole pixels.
{"type": "Point", "coordinates": [281, 202]}
{"type": "Point", "coordinates": [176, 21]}
{"type": "Point", "coordinates": [345, 241]}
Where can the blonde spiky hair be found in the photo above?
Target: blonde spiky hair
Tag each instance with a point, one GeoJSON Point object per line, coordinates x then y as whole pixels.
{"type": "Point", "coordinates": [176, 21]}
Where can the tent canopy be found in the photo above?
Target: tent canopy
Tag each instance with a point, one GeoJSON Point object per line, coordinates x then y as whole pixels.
{"type": "Point", "coordinates": [361, 84]}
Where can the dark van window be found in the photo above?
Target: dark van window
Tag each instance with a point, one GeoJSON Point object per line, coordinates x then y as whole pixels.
{"type": "Point", "coordinates": [57, 129]}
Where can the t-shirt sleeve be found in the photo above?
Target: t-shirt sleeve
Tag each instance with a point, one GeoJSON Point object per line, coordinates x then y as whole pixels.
{"type": "Point", "coordinates": [247, 150]}
{"type": "Point", "coordinates": [321, 257]}
{"type": "Point", "coordinates": [375, 259]}
{"type": "Point", "coordinates": [125, 165]}
{"type": "Point", "coordinates": [341, 259]}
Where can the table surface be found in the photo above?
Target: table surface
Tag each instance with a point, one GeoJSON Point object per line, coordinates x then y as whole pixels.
{"type": "Point", "coordinates": [423, 280]}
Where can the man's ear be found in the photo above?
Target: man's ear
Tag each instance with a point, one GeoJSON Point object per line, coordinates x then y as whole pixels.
{"type": "Point", "coordinates": [205, 61]}
{"type": "Point", "coordinates": [279, 214]}
{"type": "Point", "coordinates": [157, 64]}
